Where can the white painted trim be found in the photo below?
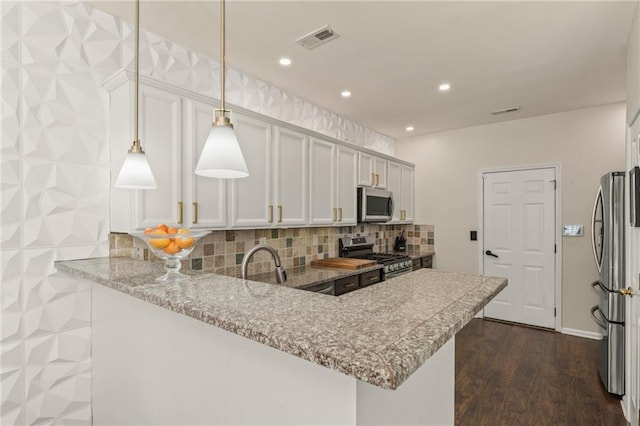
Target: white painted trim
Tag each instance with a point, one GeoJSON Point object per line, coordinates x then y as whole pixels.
{"type": "Point", "coordinates": [558, 225]}
{"type": "Point", "coordinates": [582, 333]}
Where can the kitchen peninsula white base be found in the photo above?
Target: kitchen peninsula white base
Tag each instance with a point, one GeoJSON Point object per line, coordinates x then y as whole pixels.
{"type": "Point", "coordinates": [154, 366]}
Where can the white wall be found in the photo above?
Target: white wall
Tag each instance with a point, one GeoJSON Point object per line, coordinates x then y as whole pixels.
{"type": "Point", "coordinates": [587, 143]}
{"type": "Point", "coordinates": [55, 183]}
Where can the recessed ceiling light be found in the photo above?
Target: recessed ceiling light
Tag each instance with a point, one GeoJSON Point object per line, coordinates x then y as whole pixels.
{"type": "Point", "coordinates": [345, 94]}
{"type": "Point", "coordinates": [285, 62]}
{"type": "Point", "coordinates": [444, 87]}
{"type": "Point", "coordinates": [409, 129]}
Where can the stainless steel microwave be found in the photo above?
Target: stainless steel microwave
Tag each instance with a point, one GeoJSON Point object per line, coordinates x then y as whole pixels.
{"type": "Point", "coordinates": [374, 205]}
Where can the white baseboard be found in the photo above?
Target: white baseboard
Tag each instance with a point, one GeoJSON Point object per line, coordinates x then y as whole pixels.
{"type": "Point", "coordinates": [581, 333]}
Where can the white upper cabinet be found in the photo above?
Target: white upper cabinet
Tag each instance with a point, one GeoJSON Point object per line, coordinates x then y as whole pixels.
{"type": "Point", "coordinates": [346, 184]}
{"type": "Point", "coordinates": [160, 127]}
{"type": "Point", "coordinates": [160, 136]}
{"type": "Point", "coordinates": [407, 194]}
{"type": "Point", "coordinates": [275, 193]}
{"type": "Point", "coordinates": [206, 206]}
{"type": "Point", "coordinates": [322, 181]}
{"type": "Point", "coordinates": [380, 171]}
{"type": "Point", "coordinates": [250, 198]}
{"type": "Point", "coordinates": [294, 180]}
{"type": "Point", "coordinates": [400, 183]}
{"type": "Point", "coordinates": [290, 174]}
{"type": "Point", "coordinates": [372, 171]}
{"type": "Point", "coordinates": [394, 185]}
{"type": "Point", "coordinates": [333, 183]}
{"type": "Point", "coordinates": [366, 175]}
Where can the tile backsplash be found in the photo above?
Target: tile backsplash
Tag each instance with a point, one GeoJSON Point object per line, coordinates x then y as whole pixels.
{"type": "Point", "coordinates": [222, 251]}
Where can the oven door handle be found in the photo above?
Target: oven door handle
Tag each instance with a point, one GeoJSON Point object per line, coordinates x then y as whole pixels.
{"type": "Point", "coordinates": [598, 289]}
{"type": "Point", "coordinates": [598, 319]}
{"type": "Point", "coordinates": [390, 207]}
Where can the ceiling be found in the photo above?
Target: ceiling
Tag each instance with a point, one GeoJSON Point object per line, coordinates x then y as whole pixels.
{"type": "Point", "coordinates": [543, 57]}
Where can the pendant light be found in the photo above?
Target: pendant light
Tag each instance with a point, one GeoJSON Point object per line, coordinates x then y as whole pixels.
{"type": "Point", "coordinates": [221, 156]}
{"type": "Point", "coordinates": [136, 172]}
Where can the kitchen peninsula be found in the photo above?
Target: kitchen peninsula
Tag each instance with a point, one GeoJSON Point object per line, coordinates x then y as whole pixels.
{"type": "Point", "coordinates": [201, 351]}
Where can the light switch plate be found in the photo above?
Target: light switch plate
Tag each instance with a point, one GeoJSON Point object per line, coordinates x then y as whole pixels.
{"type": "Point", "coordinates": [573, 230]}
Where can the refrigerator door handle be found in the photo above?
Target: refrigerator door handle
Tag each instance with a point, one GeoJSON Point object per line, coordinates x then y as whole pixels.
{"type": "Point", "coordinates": [593, 229]}
{"type": "Point", "coordinates": [602, 323]}
{"type": "Point", "coordinates": [598, 289]}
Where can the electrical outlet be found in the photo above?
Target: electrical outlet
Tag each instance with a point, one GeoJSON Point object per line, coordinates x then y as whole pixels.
{"type": "Point", "coordinates": [263, 240]}
{"type": "Point", "coordinates": [315, 240]}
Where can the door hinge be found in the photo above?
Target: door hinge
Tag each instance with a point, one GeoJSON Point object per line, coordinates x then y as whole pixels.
{"type": "Point", "coordinates": [555, 184]}
{"type": "Point", "coordinates": [554, 312]}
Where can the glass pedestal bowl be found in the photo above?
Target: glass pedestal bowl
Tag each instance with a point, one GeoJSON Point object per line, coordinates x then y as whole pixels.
{"type": "Point", "coordinates": [172, 248]}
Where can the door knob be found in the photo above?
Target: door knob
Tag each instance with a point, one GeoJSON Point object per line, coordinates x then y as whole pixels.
{"type": "Point", "coordinates": [626, 291]}
{"type": "Point", "coordinates": [488, 253]}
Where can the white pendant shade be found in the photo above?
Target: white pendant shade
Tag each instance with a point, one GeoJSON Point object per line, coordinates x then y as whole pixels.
{"type": "Point", "coordinates": [136, 173]}
{"type": "Point", "coordinates": [221, 156]}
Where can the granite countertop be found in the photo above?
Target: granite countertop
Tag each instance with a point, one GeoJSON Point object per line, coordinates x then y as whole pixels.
{"type": "Point", "coordinates": [306, 276]}
{"type": "Point", "coordinates": [380, 334]}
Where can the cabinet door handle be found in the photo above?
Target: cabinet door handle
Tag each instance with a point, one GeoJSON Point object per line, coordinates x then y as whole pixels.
{"type": "Point", "coordinates": [373, 179]}
{"type": "Point", "coordinates": [279, 214]}
{"type": "Point", "coordinates": [195, 213]}
{"type": "Point", "coordinates": [180, 212]}
{"type": "Point", "coordinates": [377, 179]}
{"type": "Point", "coordinates": [335, 214]}
{"type": "Point", "coordinates": [340, 213]}
{"type": "Point", "coordinates": [270, 214]}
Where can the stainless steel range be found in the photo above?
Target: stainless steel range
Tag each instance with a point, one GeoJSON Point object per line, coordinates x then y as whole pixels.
{"type": "Point", "coordinates": [362, 248]}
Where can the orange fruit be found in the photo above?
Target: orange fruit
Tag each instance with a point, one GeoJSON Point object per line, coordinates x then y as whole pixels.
{"type": "Point", "coordinates": [171, 230]}
{"type": "Point", "coordinates": [163, 227]}
{"type": "Point", "coordinates": [159, 243]}
{"type": "Point", "coordinates": [184, 242]}
{"type": "Point", "coordinates": [172, 248]}
{"type": "Point", "coordinates": [147, 231]}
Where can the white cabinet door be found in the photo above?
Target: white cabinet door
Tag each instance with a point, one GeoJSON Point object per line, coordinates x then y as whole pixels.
{"type": "Point", "coordinates": [346, 185]}
{"type": "Point", "coordinates": [365, 170]}
{"type": "Point", "coordinates": [394, 185]}
{"type": "Point", "coordinates": [206, 205]}
{"type": "Point", "coordinates": [160, 136]}
{"type": "Point", "coordinates": [380, 170]}
{"type": "Point", "coordinates": [322, 175]}
{"type": "Point", "coordinates": [250, 197]}
{"type": "Point", "coordinates": [406, 197]}
{"type": "Point", "coordinates": [290, 172]}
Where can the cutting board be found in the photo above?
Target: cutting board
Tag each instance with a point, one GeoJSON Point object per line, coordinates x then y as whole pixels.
{"type": "Point", "coordinates": [343, 262]}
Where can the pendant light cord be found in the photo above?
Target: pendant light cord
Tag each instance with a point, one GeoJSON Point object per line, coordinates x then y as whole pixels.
{"type": "Point", "coordinates": [222, 56]}
{"type": "Point", "coordinates": [137, 71]}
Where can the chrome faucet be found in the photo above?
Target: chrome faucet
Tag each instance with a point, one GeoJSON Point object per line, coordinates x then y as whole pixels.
{"type": "Point", "coordinates": [281, 274]}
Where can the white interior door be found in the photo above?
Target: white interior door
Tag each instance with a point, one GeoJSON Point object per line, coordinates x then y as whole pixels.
{"type": "Point", "coordinates": [631, 400]}
{"type": "Point", "coordinates": [519, 244]}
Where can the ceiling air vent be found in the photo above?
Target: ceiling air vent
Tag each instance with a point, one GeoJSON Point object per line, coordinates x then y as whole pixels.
{"type": "Point", "coordinates": [317, 38]}
{"type": "Point", "coordinates": [506, 110]}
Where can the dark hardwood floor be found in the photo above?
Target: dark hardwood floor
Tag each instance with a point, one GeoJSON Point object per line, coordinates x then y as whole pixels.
{"type": "Point", "coordinates": [513, 375]}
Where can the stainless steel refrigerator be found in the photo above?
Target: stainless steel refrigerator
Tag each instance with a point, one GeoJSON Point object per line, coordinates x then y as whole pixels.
{"type": "Point", "coordinates": [608, 249]}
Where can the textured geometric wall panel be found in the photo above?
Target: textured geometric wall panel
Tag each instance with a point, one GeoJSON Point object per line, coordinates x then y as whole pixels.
{"type": "Point", "coordinates": [70, 38]}
{"type": "Point", "coordinates": [58, 375]}
{"type": "Point", "coordinates": [11, 383]}
{"type": "Point", "coordinates": [52, 303]}
{"type": "Point", "coordinates": [10, 32]}
{"type": "Point", "coordinates": [11, 296]}
{"type": "Point", "coordinates": [10, 158]}
{"type": "Point", "coordinates": [64, 204]}
{"type": "Point", "coordinates": [64, 120]}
